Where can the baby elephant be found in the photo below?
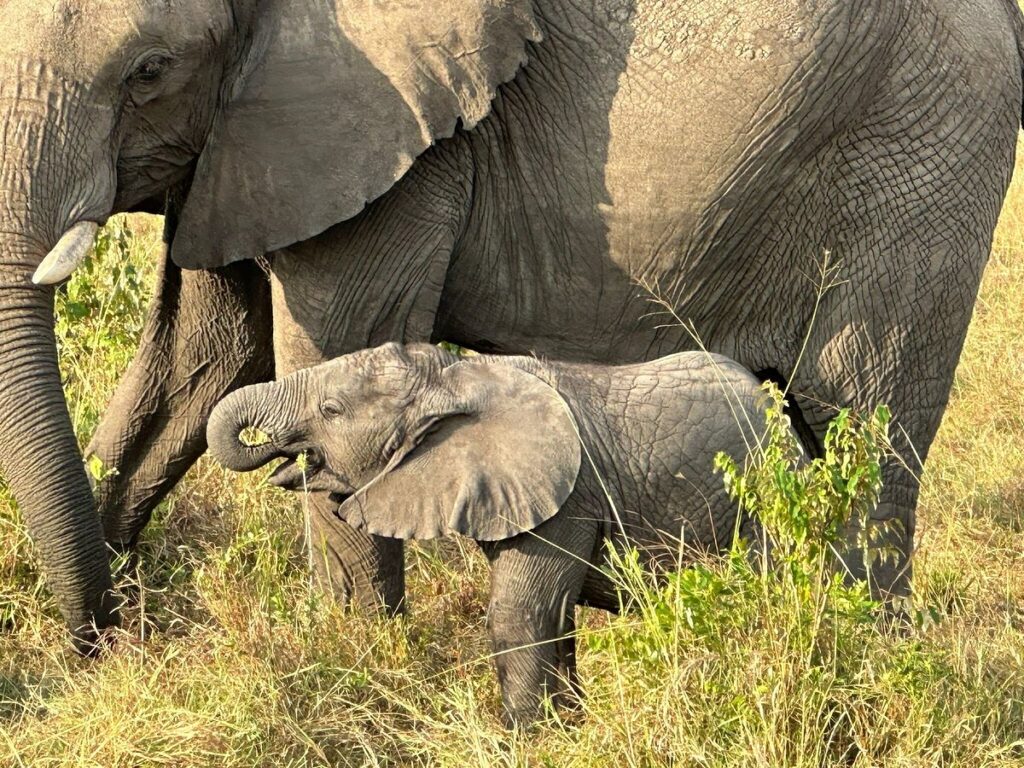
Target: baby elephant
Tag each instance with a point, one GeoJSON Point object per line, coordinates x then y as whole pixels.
{"type": "Point", "coordinates": [541, 462]}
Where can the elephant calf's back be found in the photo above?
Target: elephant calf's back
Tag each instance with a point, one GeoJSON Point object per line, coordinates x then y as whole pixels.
{"type": "Point", "coordinates": [653, 431]}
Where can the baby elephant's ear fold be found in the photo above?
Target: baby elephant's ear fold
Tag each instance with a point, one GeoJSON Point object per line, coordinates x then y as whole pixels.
{"type": "Point", "coordinates": [502, 461]}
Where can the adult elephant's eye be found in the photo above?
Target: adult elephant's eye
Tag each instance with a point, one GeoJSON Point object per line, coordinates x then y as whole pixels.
{"type": "Point", "coordinates": [149, 71]}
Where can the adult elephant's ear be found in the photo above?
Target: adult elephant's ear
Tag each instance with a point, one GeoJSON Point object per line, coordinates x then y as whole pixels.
{"type": "Point", "coordinates": [335, 100]}
{"type": "Point", "coordinates": [501, 459]}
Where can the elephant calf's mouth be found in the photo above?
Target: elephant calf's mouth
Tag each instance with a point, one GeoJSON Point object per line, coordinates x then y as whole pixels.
{"type": "Point", "coordinates": [298, 473]}
{"type": "Point", "coordinates": [309, 472]}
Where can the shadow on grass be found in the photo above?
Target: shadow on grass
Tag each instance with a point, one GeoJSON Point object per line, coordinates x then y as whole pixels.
{"type": "Point", "coordinates": [24, 693]}
{"type": "Point", "coordinates": [1003, 504]}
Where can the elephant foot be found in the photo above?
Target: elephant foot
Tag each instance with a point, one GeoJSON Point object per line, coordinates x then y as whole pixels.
{"type": "Point", "coordinates": [93, 639]}
{"type": "Point", "coordinates": [884, 557]}
{"type": "Point", "coordinates": [354, 567]}
{"type": "Point", "coordinates": [524, 710]}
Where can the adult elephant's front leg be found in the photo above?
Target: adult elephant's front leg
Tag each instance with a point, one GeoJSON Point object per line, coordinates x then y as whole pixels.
{"type": "Point", "coordinates": [315, 320]}
{"type": "Point", "coordinates": [374, 279]}
{"type": "Point", "coordinates": [208, 333]}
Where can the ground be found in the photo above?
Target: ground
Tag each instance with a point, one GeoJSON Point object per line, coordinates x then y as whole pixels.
{"type": "Point", "coordinates": [229, 658]}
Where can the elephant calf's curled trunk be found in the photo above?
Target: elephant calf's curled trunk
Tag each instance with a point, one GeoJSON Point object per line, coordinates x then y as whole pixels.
{"type": "Point", "coordinates": [242, 434]}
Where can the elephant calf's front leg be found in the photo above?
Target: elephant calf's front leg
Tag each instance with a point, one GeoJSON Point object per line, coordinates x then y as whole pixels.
{"type": "Point", "coordinates": [534, 653]}
{"type": "Point", "coordinates": [536, 579]}
{"type": "Point", "coordinates": [356, 568]}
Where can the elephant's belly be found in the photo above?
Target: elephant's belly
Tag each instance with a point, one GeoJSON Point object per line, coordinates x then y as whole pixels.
{"type": "Point", "coordinates": [641, 180]}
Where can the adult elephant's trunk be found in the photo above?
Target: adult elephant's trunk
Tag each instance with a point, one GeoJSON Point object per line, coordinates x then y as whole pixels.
{"type": "Point", "coordinates": [256, 424]}
{"type": "Point", "coordinates": [39, 455]}
{"type": "Point", "coordinates": [52, 191]}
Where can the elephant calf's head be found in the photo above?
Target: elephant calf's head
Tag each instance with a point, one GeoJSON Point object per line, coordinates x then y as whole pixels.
{"type": "Point", "coordinates": [412, 441]}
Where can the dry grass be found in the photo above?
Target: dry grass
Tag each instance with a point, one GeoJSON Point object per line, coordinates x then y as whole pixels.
{"type": "Point", "coordinates": [230, 660]}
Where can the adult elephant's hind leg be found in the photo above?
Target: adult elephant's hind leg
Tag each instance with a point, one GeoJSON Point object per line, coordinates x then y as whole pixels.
{"type": "Point", "coordinates": [909, 368]}
{"type": "Point", "coordinates": [911, 191]}
{"type": "Point", "coordinates": [921, 198]}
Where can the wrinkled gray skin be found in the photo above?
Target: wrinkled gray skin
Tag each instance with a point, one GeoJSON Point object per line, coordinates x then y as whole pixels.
{"type": "Point", "coordinates": [713, 152]}
{"type": "Point", "coordinates": [417, 443]}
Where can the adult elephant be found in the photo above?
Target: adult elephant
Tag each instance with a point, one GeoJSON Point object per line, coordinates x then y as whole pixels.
{"type": "Point", "coordinates": [711, 152]}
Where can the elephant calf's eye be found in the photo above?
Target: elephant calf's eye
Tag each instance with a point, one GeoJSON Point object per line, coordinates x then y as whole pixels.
{"type": "Point", "coordinates": [332, 409]}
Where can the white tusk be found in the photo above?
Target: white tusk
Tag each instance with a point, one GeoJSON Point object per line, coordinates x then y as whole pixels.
{"type": "Point", "coordinates": [67, 254]}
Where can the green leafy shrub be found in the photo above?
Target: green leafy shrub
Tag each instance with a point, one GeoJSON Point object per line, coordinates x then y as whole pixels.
{"type": "Point", "coordinates": [771, 646]}
{"type": "Point", "coordinates": [805, 508]}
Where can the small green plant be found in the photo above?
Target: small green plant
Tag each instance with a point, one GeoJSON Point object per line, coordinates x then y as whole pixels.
{"type": "Point", "coordinates": [805, 508]}
{"type": "Point", "coordinates": [99, 471]}
{"type": "Point", "coordinates": [775, 620]}
{"type": "Point", "coordinates": [253, 437]}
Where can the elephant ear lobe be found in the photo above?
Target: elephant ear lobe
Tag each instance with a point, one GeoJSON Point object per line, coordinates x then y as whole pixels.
{"type": "Point", "coordinates": [335, 100]}
{"type": "Point", "coordinates": [490, 471]}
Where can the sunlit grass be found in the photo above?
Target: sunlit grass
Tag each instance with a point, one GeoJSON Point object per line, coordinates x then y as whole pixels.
{"type": "Point", "coordinates": [229, 659]}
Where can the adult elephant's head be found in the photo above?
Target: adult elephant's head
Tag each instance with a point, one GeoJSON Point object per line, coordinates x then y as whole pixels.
{"type": "Point", "coordinates": [272, 120]}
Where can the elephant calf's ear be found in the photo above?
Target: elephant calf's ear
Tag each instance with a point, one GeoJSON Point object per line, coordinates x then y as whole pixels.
{"type": "Point", "coordinates": [335, 101]}
{"type": "Point", "coordinates": [503, 468]}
